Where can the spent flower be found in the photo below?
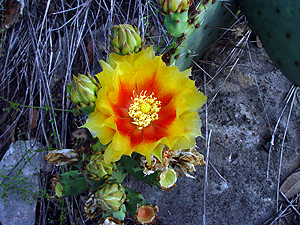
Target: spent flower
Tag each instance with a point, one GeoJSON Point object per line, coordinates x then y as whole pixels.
{"type": "Point", "coordinates": [91, 207]}
{"type": "Point", "coordinates": [187, 159]}
{"type": "Point", "coordinates": [62, 157]}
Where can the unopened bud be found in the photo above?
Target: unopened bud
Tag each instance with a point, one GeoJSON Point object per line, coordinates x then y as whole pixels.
{"type": "Point", "coordinates": [126, 39]}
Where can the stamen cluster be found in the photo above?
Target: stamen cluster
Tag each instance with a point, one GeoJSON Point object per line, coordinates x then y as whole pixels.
{"type": "Point", "coordinates": [144, 109]}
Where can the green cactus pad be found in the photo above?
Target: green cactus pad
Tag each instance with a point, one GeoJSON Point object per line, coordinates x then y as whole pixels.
{"type": "Point", "coordinates": [202, 31]}
{"type": "Point", "coordinates": [69, 183]}
{"type": "Point", "coordinates": [134, 199]}
{"type": "Point", "coordinates": [176, 23]}
{"type": "Point", "coordinates": [119, 216]}
{"type": "Point", "coordinates": [133, 168]}
{"type": "Point", "coordinates": [277, 24]}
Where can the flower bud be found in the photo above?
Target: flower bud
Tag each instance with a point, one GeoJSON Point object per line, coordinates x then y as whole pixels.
{"type": "Point", "coordinates": [126, 39]}
{"type": "Point", "coordinates": [111, 197]}
{"type": "Point", "coordinates": [97, 168]}
{"type": "Point", "coordinates": [57, 187]}
{"type": "Point", "coordinates": [170, 6]}
{"type": "Point", "coordinates": [62, 157]}
{"type": "Point", "coordinates": [83, 90]}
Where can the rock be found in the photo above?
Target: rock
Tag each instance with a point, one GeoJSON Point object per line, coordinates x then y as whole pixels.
{"type": "Point", "coordinates": [20, 182]}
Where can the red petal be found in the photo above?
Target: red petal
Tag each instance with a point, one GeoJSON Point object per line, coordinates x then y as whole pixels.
{"type": "Point", "coordinates": [165, 118]}
{"type": "Point", "coordinates": [153, 133]}
{"type": "Point", "coordinates": [124, 96]}
{"type": "Point", "coordinates": [125, 126]}
{"type": "Point", "coordinates": [120, 111]}
{"type": "Point", "coordinates": [136, 137]}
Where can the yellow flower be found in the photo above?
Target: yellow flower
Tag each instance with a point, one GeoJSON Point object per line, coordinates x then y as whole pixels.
{"type": "Point", "coordinates": [144, 105]}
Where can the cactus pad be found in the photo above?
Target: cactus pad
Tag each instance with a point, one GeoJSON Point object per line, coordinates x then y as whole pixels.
{"type": "Point", "coordinates": [205, 26]}
{"type": "Point", "coordinates": [277, 24]}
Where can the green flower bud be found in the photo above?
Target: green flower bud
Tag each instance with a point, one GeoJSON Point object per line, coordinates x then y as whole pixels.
{"type": "Point", "coordinates": [111, 197]}
{"type": "Point", "coordinates": [83, 90]}
{"type": "Point", "coordinates": [126, 39]}
{"type": "Point", "coordinates": [170, 6]}
{"type": "Point", "coordinates": [97, 168]}
{"type": "Point", "coordinates": [57, 187]}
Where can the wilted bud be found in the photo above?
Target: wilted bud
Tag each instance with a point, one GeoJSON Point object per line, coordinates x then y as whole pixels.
{"type": "Point", "coordinates": [91, 207]}
{"type": "Point", "coordinates": [62, 157]}
{"type": "Point", "coordinates": [170, 6]}
{"type": "Point", "coordinates": [146, 213]}
{"type": "Point", "coordinates": [187, 159]}
{"type": "Point", "coordinates": [83, 90]}
{"type": "Point", "coordinates": [111, 197]}
{"type": "Point", "coordinates": [126, 39]}
{"type": "Point", "coordinates": [97, 168]}
{"type": "Point", "coordinates": [168, 178]}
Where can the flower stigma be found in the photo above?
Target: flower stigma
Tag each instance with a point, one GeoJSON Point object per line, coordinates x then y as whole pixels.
{"type": "Point", "coordinates": [144, 109]}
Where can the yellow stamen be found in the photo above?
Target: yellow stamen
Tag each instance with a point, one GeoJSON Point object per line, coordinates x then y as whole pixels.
{"type": "Point", "coordinates": [144, 109]}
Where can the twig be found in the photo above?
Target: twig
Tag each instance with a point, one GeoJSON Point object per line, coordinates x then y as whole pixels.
{"type": "Point", "coordinates": [293, 93]}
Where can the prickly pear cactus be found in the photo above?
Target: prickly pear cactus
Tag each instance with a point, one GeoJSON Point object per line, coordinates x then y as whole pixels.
{"type": "Point", "coordinates": [277, 24]}
{"type": "Point", "coordinates": [96, 169]}
{"type": "Point", "coordinates": [204, 25]}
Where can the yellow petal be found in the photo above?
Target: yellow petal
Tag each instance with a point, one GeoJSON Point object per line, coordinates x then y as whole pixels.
{"type": "Point", "coordinates": [119, 146]}
{"type": "Point", "coordinates": [195, 100]}
{"type": "Point", "coordinates": [192, 124]}
{"type": "Point", "coordinates": [147, 148]}
{"type": "Point", "coordinates": [135, 58]}
{"type": "Point", "coordinates": [157, 152]}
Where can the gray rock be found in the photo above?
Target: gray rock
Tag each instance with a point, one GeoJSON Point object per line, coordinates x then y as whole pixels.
{"type": "Point", "coordinates": [20, 182]}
